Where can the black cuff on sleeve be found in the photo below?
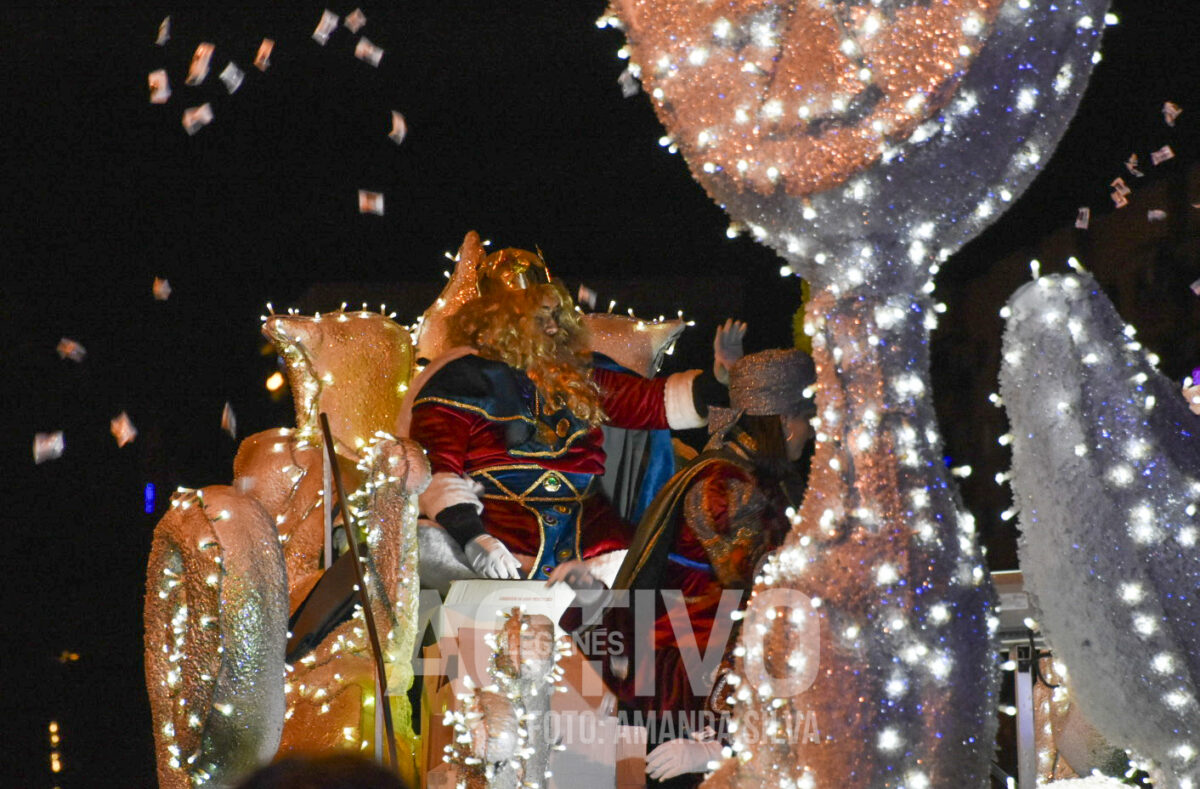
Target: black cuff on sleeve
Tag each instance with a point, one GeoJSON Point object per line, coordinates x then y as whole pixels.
{"type": "Point", "coordinates": [462, 522]}
{"type": "Point", "coordinates": [708, 391]}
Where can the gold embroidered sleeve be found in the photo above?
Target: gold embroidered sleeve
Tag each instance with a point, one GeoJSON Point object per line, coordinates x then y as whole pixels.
{"type": "Point", "coordinates": [725, 511]}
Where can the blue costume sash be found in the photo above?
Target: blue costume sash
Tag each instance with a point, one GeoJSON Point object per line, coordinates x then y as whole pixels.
{"type": "Point", "coordinates": [554, 497]}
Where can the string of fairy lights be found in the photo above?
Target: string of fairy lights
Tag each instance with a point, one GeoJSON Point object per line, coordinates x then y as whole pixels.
{"type": "Point", "coordinates": [499, 727]}
{"type": "Point", "coordinates": [895, 418]}
{"type": "Point", "coordinates": [1123, 443]}
{"type": "Point", "coordinates": [865, 142]}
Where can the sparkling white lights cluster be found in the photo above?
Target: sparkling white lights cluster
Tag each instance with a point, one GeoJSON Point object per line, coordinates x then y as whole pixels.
{"type": "Point", "coordinates": [830, 129]}
{"type": "Point", "coordinates": [226, 616]}
{"type": "Point", "coordinates": [391, 473]}
{"type": "Point", "coordinates": [909, 629]}
{"type": "Point", "coordinates": [865, 141]}
{"type": "Point", "coordinates": [499, 732]}
{"type": "Point", "coordinates": [1111, 480]}
{"type": "Point", "coordinates": [216, 620]}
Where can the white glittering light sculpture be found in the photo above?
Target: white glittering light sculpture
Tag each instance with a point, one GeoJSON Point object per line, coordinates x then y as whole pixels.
{"type": "Point", "coordinates": [1106, 477]}
{"type": "Point", "coordinates": [501, 730]}
{"type": "Point", "coordinates": [865, 141]}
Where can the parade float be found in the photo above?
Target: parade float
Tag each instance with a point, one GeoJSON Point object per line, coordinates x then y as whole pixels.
{"type": "Point", "coordinates": [865, 142]}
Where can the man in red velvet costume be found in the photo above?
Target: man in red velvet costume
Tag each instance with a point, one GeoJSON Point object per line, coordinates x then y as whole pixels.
{"type": "Point", "coordinates": [696, 553]}
{"type": "Point", "coordinates": [510, 418]}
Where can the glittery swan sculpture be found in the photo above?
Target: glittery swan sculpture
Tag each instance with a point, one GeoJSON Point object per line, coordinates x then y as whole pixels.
{"type": "Point", "coordinates": [230, 563]}
{"type": "Point", "coordinates": [1106, 479]}
{"type": "Point", "coordinates": [865, 142]}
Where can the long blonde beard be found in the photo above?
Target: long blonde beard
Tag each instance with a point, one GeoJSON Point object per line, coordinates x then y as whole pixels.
{"type": "Point", "coordinates": [563, 378]}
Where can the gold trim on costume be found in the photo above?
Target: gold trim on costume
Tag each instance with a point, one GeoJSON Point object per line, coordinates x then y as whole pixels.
{"type": "Point", "coordinates": [553, 454]}
{"type": "Point", "coordinates": [579, 531]}
{"type": "Point", "coordinates": [467, 407]}
{"type": "Point", "coordinates": [537, 560]}
{"type": "Point", "coordinates": [567, 441]}
{"type": "Point", "coordinates": [512, 467]}
{"type": "Point", "coordinates": [507, 494]}
{"type": "Point", "coordinates": [524, 500]}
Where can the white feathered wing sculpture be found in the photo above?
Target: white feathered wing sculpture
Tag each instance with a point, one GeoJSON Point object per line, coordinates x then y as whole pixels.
{"type": "Point", "coordinates": [1106, 477]}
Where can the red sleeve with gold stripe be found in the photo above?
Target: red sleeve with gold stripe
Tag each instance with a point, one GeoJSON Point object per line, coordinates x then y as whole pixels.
{"type": "Point", "coordinates": [460, 442]}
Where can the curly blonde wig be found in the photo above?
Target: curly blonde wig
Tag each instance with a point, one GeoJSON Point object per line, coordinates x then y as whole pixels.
{"type": "Point", "coordinates": [505, 325]}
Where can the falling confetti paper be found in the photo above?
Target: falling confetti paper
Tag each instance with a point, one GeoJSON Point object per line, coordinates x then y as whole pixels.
{"type": "Point", "coordinates": [1120, 187]}
{"type": "Point", "coordinates": [399, 128]}
{"type": "Point", "coordinates": [1132, 165]}
{"type": "Point", "coordinates": [325, 27]}
{"type": "Point", "coordinates": [229, 420]}
{"type": "Point", "coordinates": [160, 86]}
{"type": "Point", "coordinates": [355, 20]}
{"type": "Point", "coordinates": [370, 202]}
{"type": "Point", "coordinates": [1119, 199]}
{"type": "Point", "coordinates": [196, 118]}
{"type": "Point", "coordinates": [69, 349]}
{"type": "Point", "coordinates": [1171, 111]}
{"type": "Point", "coordinates": [587, 297]}
{"type": "Point", "coordinates": [162, 289]}
{"type": "Point", "coordinates": [1156, 215]}
{"type": "Point", "coordinates": [122, 429]}
{"type": "Point", "coordinates": [262, 58]}
{"type": "Point", "coordinates": [48, 446]}
{"type": "Point", "coordinates": [1083, 218]}
{"type": "Point", "coordinates": [1196, 287]}
{"type": "Point", "coordinates": [164, 32]}
{"type": "Point", "coordinates": [232, 76]}
{"type": "Point", "coordinates": [628, 83]}
{"type": "Point", "coordinates": [1162, 154]}
{"type": "Point", "coordinates": [368, 52]}
{"type": "Point", "coordinates": [198, 70]}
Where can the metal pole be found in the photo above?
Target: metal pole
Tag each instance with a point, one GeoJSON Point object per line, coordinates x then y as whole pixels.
{"type": "Point", "coordinates": [352, 540]}
{"type": "Point", "coordinates": [327, 492]}
{"type": "Point", "coordinates": [1026, 748]}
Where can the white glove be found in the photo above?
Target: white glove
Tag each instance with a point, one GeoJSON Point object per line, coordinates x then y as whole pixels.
{"type": "Point", "coordinates": [679, 756]}
{"type": "Point", "coordinates": [491, 559]}
{"type": "Point", "coordinates": [576, 575]}
{"type": "Point", "coordinates": [727, 348]}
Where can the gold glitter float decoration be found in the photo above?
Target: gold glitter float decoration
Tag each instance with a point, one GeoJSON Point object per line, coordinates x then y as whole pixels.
{"type": "Point", "coordinates": [226, 560]}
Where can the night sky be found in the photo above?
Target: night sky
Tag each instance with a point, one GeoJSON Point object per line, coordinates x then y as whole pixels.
{"type": "Point", "coordinates": [517, 128]}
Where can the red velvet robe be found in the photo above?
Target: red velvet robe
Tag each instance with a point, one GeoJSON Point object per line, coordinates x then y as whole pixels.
{"type": "Point", "coordinates": [464, 441]}
{"type": "Point", "coordinates": [727, 524]}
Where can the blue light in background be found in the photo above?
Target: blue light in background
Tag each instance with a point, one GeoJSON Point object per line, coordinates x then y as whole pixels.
{"type": "Point", "coordinates": [148, 498]}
